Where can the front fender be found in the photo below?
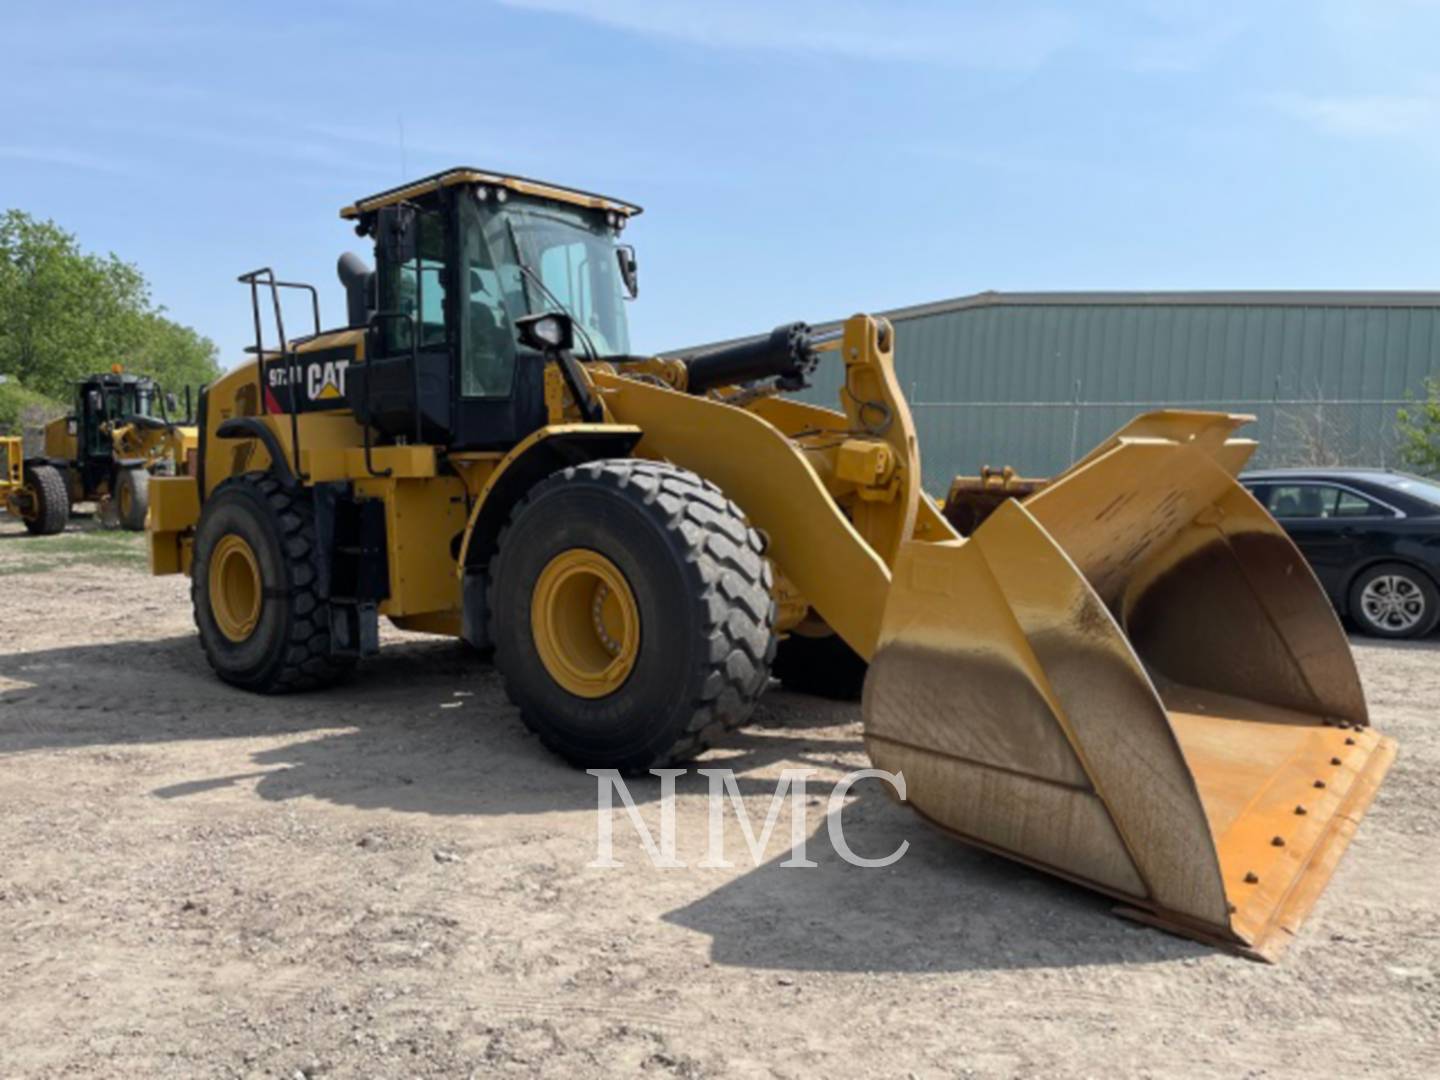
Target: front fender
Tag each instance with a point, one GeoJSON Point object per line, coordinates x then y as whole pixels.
{"type": "Point", "coordinates": [540, 454]}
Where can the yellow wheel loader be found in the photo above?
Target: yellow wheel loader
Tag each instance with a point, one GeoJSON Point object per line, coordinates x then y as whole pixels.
{"type": "Point", "coordinates": [118, 436]}
{"type": "Point", "coordinates": [1128, 678]}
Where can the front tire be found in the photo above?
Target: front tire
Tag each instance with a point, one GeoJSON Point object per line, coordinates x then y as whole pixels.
{"type": "Point", "coordinates": [49, 501]}
{"type": "Point", "coordinates": [631, 614]}
{"type": "Point", "coordinates": [1393, 600]}
{"type": "Point", "coordinates": [254, 583]}
{"type": "Point", "coordinates": [132, 498]}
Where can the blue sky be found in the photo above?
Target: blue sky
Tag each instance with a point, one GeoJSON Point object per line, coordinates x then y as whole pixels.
{"type": "Point", "coordinates": [800, 159]}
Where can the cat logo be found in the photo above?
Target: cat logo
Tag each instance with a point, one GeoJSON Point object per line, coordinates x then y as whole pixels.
{"type": "Point", "coordinates": [308, 382]}
{"type": "Point", "coordinates": [326, 381]}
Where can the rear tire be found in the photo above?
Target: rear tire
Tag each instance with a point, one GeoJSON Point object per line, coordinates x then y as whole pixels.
{"type": "Point", "coordinates": [1393, 600]}
{"type": "Point", "coordinates": [821, 666]}
{"type": "Point", "coordinates": [132, 498]}
{"type": "Point", "coordinates": [691, 642]}
{"type": "Point", "coordinates": [255, 587]}
{"type": "Point", "coordinates": [49, 500]}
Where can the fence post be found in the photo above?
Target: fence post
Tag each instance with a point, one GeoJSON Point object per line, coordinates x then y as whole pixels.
{"type": "Point", "coordinates": [1075, 424]}
{"type": "Point", "coordinates": [1272, 442]}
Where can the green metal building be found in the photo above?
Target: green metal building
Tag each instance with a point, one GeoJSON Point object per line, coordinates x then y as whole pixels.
{"type": "Point", "coordinates": [1034, 380]}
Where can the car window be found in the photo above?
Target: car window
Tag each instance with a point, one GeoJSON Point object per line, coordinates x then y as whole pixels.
{"type": "Point", "coordinates": [1351, 505]}
{"type": "Point", "coordinates": [1416, 487]}
{"type": "Point", "coordinates": [1321, 501]}
{"type": "Point", "coordinates": [1303, 501]}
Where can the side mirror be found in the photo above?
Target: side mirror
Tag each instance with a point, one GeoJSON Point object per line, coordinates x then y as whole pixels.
{"type": "Point", "coordinates": [550, 331]}
{"type": "Point", "coordinates": [397, 234]}
{"type": "Point", "coordinates": [172, 402]}
{"type": "Point", "coordinates": [629, 269]}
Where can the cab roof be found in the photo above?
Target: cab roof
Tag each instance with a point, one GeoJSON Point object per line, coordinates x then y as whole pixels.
{"type": "Point", "coordinates": [115, 378]}
{"type": "Point", "coordinates": [465, 174]}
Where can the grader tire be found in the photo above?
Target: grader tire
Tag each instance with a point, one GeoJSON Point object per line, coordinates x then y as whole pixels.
{"type": "Point", "coordinates": [50, 502]}
{"type": "Point", "coordinates": [263, 624]}
{"type": "Point", "coordinates": [820, 666]}
{"type": "Point", "coordinates": [631, 613]}
{"type": "Point", "coordinates": [132, 498]}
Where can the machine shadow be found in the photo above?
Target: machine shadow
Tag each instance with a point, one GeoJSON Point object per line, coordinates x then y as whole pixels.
{"type": "Point", "coordinates": [942, 907]}
{"type": "Point", "coordinates": [81, 521]}
{"type": "Point", "coordinates": [424, 727]}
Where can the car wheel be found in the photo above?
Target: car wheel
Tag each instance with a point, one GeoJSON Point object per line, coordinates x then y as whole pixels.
{"type": "Point", "coordinates": [1394, 601]}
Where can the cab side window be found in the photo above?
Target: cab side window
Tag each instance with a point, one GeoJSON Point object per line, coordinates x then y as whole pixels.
{"type": "Point", "coordinates": [488, 359]}
{"type": "Point", "coordinates": [487, 366]}
{"type": "Point", "coordinates": [417, 289]}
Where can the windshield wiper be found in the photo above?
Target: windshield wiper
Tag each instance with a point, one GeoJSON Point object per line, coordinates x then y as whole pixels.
{"type": "Point", "coordinates": [545, 289]}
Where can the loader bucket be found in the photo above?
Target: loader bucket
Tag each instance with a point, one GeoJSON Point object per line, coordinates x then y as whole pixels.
{"type": "Point", "coordinates": [1132, 679]}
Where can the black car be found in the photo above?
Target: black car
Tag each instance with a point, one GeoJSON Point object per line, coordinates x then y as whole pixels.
{"type": "Point", "coordinates": [1372, 537]}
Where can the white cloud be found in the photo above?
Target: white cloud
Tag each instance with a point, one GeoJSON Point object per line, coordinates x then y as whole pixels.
{"type": "Point", "coordinates": [1365, 115]}
{"type": "Point", "coordinates": [1009, 37]}
{"type": "Point", "coordinates": [59, 155]}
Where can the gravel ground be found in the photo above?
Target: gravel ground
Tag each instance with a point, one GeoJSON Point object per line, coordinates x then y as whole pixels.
{"type": "Point", "coordinates": [391, 879]}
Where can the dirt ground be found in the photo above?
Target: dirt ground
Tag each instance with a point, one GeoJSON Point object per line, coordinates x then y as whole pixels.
{"type": "Point", "coordinates": [390, 879]}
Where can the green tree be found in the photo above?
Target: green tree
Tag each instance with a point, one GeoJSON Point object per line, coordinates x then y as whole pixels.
{"type": "Point", "coordinates": [175, 355]}
{"type": "Point", "coordinates": [68, 313]}
{"type": "Point", "coordinates": [1419, 427]}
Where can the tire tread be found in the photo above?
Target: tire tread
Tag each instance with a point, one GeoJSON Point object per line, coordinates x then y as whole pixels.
{"type": "Point", "coordinates": [54, 499]}
{"type": "Point", "coordinates": [732, 581]}
{"type": "Point", "coordinates": [306, 663]}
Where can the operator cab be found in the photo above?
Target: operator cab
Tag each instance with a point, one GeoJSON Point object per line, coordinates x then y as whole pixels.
{"type": "Point", "coordinates": [459, 258]}
{"type": "Point", "coordinates": [116, 395]}
{"type": "Point", "coordinates": [102, 401]}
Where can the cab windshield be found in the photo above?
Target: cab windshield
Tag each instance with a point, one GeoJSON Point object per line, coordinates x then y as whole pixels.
{"type": "Point", "coordinates": [527, 256]}
{"type": "Point", "coordinates": [139, 401]}
{"type": "Point", "coordinates": [129, 400]}
{"type": "Point", "coordinates": [572, 251]}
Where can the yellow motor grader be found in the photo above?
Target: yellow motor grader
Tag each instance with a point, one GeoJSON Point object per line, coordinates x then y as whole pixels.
{"type": "Point", "coordinates": [1128, 677]}
{"type": "Point", "coordinates": [106, 450]}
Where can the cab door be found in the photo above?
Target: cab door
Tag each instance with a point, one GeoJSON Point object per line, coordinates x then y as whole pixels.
{"type": "Point", "coordinates": [404, 388]}
{"type": "Point", "coordinates": [500, 386]}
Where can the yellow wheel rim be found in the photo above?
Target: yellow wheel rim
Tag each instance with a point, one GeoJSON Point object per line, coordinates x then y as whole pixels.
{"type": "Point", "coordinates": [125, 500]}
{"type": "Point", "coordinates": [235, 588]}
{"type": "Point", "coordinates": [585, 623]}
{"type": "Point", "coordinates": [28, 504]}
